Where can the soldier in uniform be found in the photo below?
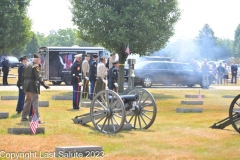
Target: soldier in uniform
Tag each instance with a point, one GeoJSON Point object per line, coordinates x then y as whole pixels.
{"type": "Point", "coordinates": [85, 71]}
{"type": "Point", "coordinates": [21, 94]}
{"type": "Point", "coordinates": [31, 75]}
{"type": "Point", "coordinates": [5, 69]}
{"type": "Point", "coordinates": [113, 77]}
{"type": "Point", "coordinates": [76, 80]}
{"type": "Point", "coordinates": [93, 74]}
{"type": "Point", "coordinates": [101, 75]}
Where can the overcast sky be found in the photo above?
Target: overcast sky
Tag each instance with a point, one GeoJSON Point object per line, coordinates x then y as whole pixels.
{"type": "Point", "coordinates": [223, 16]}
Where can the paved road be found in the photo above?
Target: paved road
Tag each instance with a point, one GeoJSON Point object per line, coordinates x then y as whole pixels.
{"type": "Point", "coordinates": [69, 88]}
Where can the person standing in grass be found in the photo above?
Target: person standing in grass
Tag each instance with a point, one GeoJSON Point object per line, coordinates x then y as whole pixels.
{"type": "Point", "coordinates": [21, 94]}
{"type": "Point", "coordinates": [225, 76]}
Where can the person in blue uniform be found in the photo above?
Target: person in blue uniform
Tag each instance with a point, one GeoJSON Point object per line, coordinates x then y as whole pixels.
{"type": "Point", "coordinates": [76, 80]}
{"type": "Point", "coordinates": [113, 77]}
{"type": "Point", "coordinates": [5, 69]}
{"type": "Point", "coordinates": [93, 74]}
{"type": "Point", "coordinates": [21, 93]}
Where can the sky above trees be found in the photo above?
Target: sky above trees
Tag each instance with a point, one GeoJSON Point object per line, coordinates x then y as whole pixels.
{"type": "Point", "coordinates": [221, 15]}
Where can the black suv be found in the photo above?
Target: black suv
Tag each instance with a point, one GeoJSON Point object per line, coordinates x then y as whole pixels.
{"type": "Point", "coordinates": [167, 73]}
{"type": "Point", "coordinates": [13, 61]}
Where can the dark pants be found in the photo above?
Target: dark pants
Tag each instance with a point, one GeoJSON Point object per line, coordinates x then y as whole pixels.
{"type": "Point", "coordinates": [92, 89]}
{"type": "Point", "coordinates": [234, 76]}
{"type": "Point", "coordinates": [21, 98]}
{"type": "Point", "coordinates": [5, 75]}
{"type": "Point", "coordinates": [76, 96]}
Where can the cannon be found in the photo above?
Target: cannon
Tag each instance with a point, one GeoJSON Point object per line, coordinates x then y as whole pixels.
{"type": "Point", "coordinates": [233, 118]}
{"type": "Point", "coordinates": [109, 111]}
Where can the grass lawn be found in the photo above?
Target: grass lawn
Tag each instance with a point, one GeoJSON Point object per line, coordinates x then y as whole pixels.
{"type": "Point", "coordinates": [172, 136]}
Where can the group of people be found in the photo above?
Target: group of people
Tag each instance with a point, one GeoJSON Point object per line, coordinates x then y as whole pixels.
{"type": "Point", "coordinates": [98, 74]}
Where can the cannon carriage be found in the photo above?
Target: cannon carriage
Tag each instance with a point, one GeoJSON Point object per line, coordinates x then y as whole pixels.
{"type": "Point", "coordinates": [109, 111]}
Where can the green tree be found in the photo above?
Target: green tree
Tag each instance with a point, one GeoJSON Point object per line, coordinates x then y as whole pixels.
{"type": "Point", "coordinates": [15, 25]}
{"type": "Point", "coordinates": [32, 46]}
{"type": "Point", "coordinates": [207, 42]}
{"type": "Point", "coordinates": [225, 48]}
{"type": "Point", "coordinates": [237, 42]}
{"type": "Point", "coordinates": [42, 39]}
{"type": "Point", "coordinates": [145, 25]}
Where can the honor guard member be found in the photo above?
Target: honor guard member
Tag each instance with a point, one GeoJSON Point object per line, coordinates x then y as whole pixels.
{"type": "Point", "coordinates": [21, 93]}
{"type": "Point", "coordinates": [85, 71]}
{"type": "Point", "coordinates": [101, 75]}
{"type": "Point", "coordinates": [30, 79]}
{"type": "Point", "coordinates": [93, 75]}
{"type": "Point", "coordinates": [113, 77]}
{"type": "Point", "coordinates": [76, 80]}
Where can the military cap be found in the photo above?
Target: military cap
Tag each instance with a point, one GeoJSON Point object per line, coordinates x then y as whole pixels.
{"type": "Point", "coordinates": [22, 58]}
{"type": "Point", "coordinates": [115, 62]}
{"type": "Point", "coordinates": [78, 56]}
{"type": "Point", "coordinates": [36, 55]}
{"type": "Point", "coordinates": [95, 56]}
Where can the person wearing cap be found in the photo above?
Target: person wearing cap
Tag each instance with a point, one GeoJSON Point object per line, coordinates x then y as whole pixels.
{"type": "Point", "coordinates": [5, 69]}
{"type": "Point", "coordinates": [85, 71]}
{"type": "Point", "coordinates": [101, 75]}
{"type": "Point", "coordinates": [76, 80]}
{"type": "Point", "coordinates": [112, 59]}
{"type": "Point", "coordinates": [113, 77]}
{"type": "Point", "coordinates": [93, 74]}
{"type": "Point", "coordinates": [21, 93]}
{"type": "Point", "coordinates": [30, 79]}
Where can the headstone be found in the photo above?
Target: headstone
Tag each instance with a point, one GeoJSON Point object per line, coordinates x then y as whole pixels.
{"type": "Point", "coordinates": [228, 96]}
{"type": "Point", "coordinates": [86, 104]}
{"type": "Point", "coordinates": [79, 151]}
{"type": "Point", "coordinates": [43, 103]}
{"type": "Point", "coordinates": [192, 102]}
{"type": "Point", "coordinates": [9, 97]}
{"type": "Point", "coordinates": [25, 130]}
{"type": "Point", "coordinates": [126, 126]}
{"type": "Point", "coordinates": [62, 97]}
{"type": "Point", "coordinates": [4, 115]}
{"type": "Point", "coordinates": [189, 110]}
{"type": "Point", "coordinates": [193, 96]}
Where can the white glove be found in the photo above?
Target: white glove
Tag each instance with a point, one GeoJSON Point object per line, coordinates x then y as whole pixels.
{"type": "Point", "coordinates": [104, 81]}
{"type": "Point", "coordinates": [80, 83]}
{"type": "Point", "coordinates": [86, 78]}
{"type": "Point", "coordinates": [115, 84]}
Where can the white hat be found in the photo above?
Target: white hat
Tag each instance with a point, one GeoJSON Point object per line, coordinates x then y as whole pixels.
{"type": "Point", "coordinates": [78, 55]}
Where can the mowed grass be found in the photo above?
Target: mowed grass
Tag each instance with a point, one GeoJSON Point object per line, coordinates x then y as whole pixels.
{"type": "Point", "coordinates": [172, 136]}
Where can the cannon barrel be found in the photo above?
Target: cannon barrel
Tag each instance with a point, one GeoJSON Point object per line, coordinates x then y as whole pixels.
{"type": "Point", "coordinates": [129, 98]}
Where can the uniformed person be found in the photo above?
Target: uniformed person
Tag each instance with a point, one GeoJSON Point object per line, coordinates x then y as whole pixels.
{"type": "Point", "coordinates": [5, 69]}
{"type": "Point", "coordinates": [30, 78]}
{"type": "Point", "coordinates": [76, 74]}
{"type": "Point", "coordinates": [101, 75]}
{"type": "Point", "coordinates": [21, 93]}
{"type": "Point", "coordinates": [93, 74]}
{"type": "Point", "coordinates": [85, 72]}
{"type": "Point", "coordinates": [113, 77]}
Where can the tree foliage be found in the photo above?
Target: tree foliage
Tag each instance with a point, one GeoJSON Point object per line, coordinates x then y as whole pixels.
{"type": "Point", "coordinates": [145, 25]}
{"type": "Point", "coordinates": [237, 41]}
{"type": "Point", "coordinates": [15, 25]}
{"type": "Point", "coordinates": [32, 46]}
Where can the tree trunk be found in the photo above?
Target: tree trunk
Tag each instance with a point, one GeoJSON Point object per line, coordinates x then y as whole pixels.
{"type": "Point", "coordinates": [122, 58]}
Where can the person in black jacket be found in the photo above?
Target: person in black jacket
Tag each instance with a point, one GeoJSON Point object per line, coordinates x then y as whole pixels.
{"type": "Point", "coordinates": [5, 69]}
{"type": "Point", "coordinates": [234, 69]}
{"type": "Point", "coordinates": [113, 77]}
{"type": "Point", "coordinates": [76, 74]}
{"type": "Point", "coordinates": [93, 74]}
{"type": "Point", "coordinates": [21, 94]}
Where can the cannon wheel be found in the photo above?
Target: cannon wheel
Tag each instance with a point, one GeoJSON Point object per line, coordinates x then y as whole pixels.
{"type": "Point", "coordinates": [144, 113]}
{"type": "Point", "coordinates": [109, 106]}
{"type": "Point", "coordinates": [234, 113]}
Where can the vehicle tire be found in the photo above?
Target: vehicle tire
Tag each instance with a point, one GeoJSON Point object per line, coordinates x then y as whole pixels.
{"type": "Point", "coordinates": [68, 79]}
{"type": "Point", "coordinates": [147, 81]}
{"type": "Point", "coordinates": [190, 85]}
{"type": "Point", "coordinates": [56, 82]}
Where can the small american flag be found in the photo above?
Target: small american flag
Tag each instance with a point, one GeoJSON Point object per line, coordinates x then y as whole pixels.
{"type": "Point", "coordinates": [199, 96]}
{"type": "Point", "coordinates": [34, 123]}
{"type": "Point", "coordinates": [127, 50]}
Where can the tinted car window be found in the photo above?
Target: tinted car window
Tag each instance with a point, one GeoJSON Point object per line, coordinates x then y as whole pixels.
{"type": "Point", "coordinates": [158, 66]}
{"type": "Point", "coordinates": [187, 67]}
{"type": "Point", "coordinates": [172, 66]}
